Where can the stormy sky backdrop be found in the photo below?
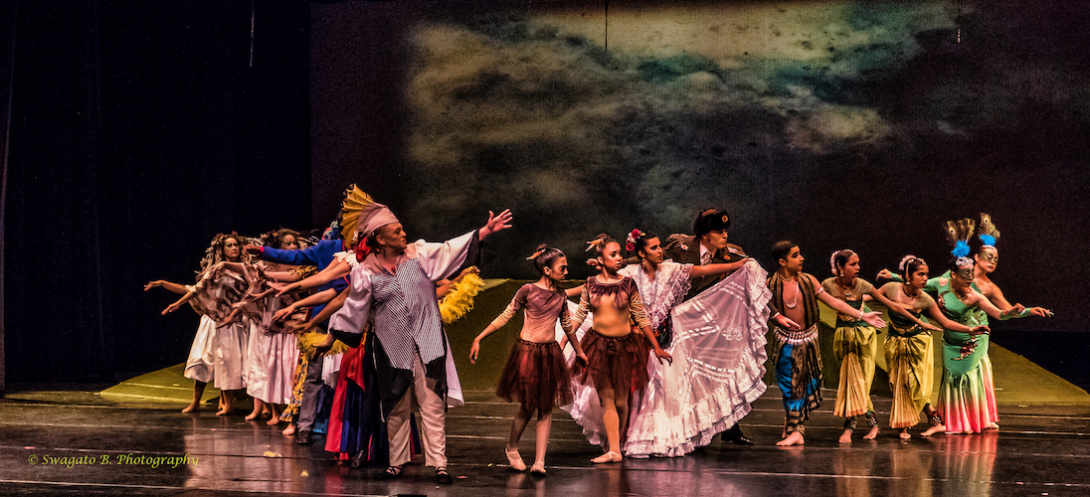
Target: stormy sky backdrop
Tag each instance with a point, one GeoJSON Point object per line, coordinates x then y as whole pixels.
{"type": "Point", "coordinates": [837, 124]}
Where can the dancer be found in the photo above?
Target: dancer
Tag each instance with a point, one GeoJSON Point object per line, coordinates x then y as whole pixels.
{"type": "Point", "coordinates": [909, 354]}
{"type": "Point", "coordinates": [320, 256]}
{"type": "Point", "coordinates": [967, 393]}
{"type": "Point", "coordinates": [616, 355]}
{"type": "Point", "coordinates": [213, 295]}
{"type": "Point", "coordinates": [535, 372]}
{"type": "Point", "coordinates": [396, 282]}
{"type": "Point", "coordinates": [200, 364]}
{"type": "Point", "coordinates": [273, 353]}
{"type": "Point", "coordinates": [709, 245]}
{"type": "Point", "coordinates": [718, 349]}
{"type": "Point", "coordinates": [855, 342]}
{"type": "Point", "coordinates": [796, 354]}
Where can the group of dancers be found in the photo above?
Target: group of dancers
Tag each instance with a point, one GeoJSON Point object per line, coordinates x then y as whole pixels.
{"type": "Point", "coordinates": [665, 349]}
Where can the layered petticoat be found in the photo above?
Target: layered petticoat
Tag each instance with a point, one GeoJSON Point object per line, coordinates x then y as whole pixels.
{"type": "Point", "coordinates": [719, 355]}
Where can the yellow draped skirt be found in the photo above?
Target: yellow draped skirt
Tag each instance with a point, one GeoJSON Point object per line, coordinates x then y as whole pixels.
{"type": "Point", "coordinates": [911, 362]}
{"type": "Point", "coordinates": [855, 347]}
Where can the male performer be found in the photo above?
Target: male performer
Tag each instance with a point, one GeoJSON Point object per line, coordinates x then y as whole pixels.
{"type": "Point", "coordinates": [796, 355]}
{"type": "Point", "coordinates": [708, 245]}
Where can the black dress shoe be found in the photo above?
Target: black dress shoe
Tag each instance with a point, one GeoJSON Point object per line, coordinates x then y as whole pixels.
{"type": "Point", "coordinates": [442, 477]}
{"type": "Point", "coordinates": [302, 437]}
{"type": "Point", "coordinates": [734, 434]}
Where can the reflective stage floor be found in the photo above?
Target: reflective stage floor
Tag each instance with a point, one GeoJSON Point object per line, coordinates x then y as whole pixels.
{"type": "Point", "coordinates": [152, 449]}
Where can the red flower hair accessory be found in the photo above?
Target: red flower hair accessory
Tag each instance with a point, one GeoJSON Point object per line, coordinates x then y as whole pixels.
{"type": "Point", "coordinates": [630, 241]}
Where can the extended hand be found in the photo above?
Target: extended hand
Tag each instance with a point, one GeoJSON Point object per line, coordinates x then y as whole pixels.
{"type": "Point", "coordinates": [153, 284]}
{"type": "Point", "coordinates": [885, 274]}
{"type": "Point", "coordinates": [979, 330]}
{"type": "Point", "coordinates": [284, 290]}
{"type": "Point", "coordinates": [1040, 311]}
{"type": "Point", "coordinates": [496, 223]}
{"type": "Point", "coordinates": [282, 314]}
{"type": "Point", "coordinates": [473, 350]}
{"type": "Point", "coordinates": [931, 327]}
{"type": "Point", "coordinates": [664, 355]}
{"type": "Point", "coordinates": [874, 319]}
{"type": "Point", "coordinates": [252, 249]}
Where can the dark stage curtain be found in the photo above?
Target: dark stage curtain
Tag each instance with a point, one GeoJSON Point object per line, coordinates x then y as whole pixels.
{"type": "Point", "coordinates": [138, 131]}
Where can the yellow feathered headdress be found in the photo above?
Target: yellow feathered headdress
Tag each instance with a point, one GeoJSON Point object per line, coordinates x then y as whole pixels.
{"type": "Point", "coordinates": [361, 214]}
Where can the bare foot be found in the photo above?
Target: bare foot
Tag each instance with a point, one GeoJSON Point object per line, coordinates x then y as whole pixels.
{"type": "Point", "coordinates": [194, 407]}
{"type": "Point", "coordinates": [872, 434]}
{"type": "Point", "coordinates": [904, 434]}
{"type": "Point", "coordinates": [225, 410]}
{"type": "Point", "coordinates": [607, 457]}
{"type": "Point", "coordinates": [253, 415]}
{"type": "Point", "coordinates": [290, 430]}
{"type": "Point", "coordinates": [273, 421]}
{"type": "Point", "coordinates": [795, 438]}
{"type": "Point", "coordinates": [993, 426]}
{"type": "Point", "coordinates": [933, 430]}
{"type": "Point", "coordinates": [846, 437]}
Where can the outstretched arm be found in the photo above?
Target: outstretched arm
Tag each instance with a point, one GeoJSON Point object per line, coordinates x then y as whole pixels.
{"type": "Point", "coordinates": [495, 224]}
{"type": "Point", "coordinates": [1000, 302]}
{"type": "Point", "coordinates": [335, 302]}
{"type": "Point", "coordinates": [333, 271]}
{"type": "Point", "coordinates": [894, 307]}
{"type": "Point", "coordinates": [993, 311]}
{"type": "Point", "coordinates": [951, 325]}
{"type": "Point", "coordinates": [717, 268]}
{"type": "Point", "coordinates": [169, 286]}
{"type": "Point", "coordinates": [180, 302]}
{"type": "Point", "coordinates": [873, 318]}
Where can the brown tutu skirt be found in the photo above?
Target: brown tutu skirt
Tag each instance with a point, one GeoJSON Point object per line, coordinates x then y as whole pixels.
{"type": "Point", "coordinates": [536, 375]}
{"type": "Point", "coordinates": [620, 362]}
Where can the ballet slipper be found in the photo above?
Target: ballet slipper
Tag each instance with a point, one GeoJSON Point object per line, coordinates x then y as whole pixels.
{"type": "Point", "coordinates": [514, 459]}
{"type": "Point", "coordinates": [607, 458]}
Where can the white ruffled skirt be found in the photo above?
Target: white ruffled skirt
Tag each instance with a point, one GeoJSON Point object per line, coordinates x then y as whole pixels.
{"type": "Point", "coordinates": [719, 356]}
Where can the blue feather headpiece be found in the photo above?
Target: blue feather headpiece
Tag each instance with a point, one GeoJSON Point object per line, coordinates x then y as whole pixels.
{"type": "Point", "coordinates": [961, 249]}
{"type": "Point", "coordinates": [989, 240]}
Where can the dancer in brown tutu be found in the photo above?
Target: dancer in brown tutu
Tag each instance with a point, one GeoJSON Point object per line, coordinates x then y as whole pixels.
{"type": "Point", "coordinates": [616, 356]}
{"type": "Point", "coordinates": [535, 373]}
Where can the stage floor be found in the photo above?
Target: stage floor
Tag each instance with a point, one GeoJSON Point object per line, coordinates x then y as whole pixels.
{"type": "Point", "coordinates": [1040, 450]}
